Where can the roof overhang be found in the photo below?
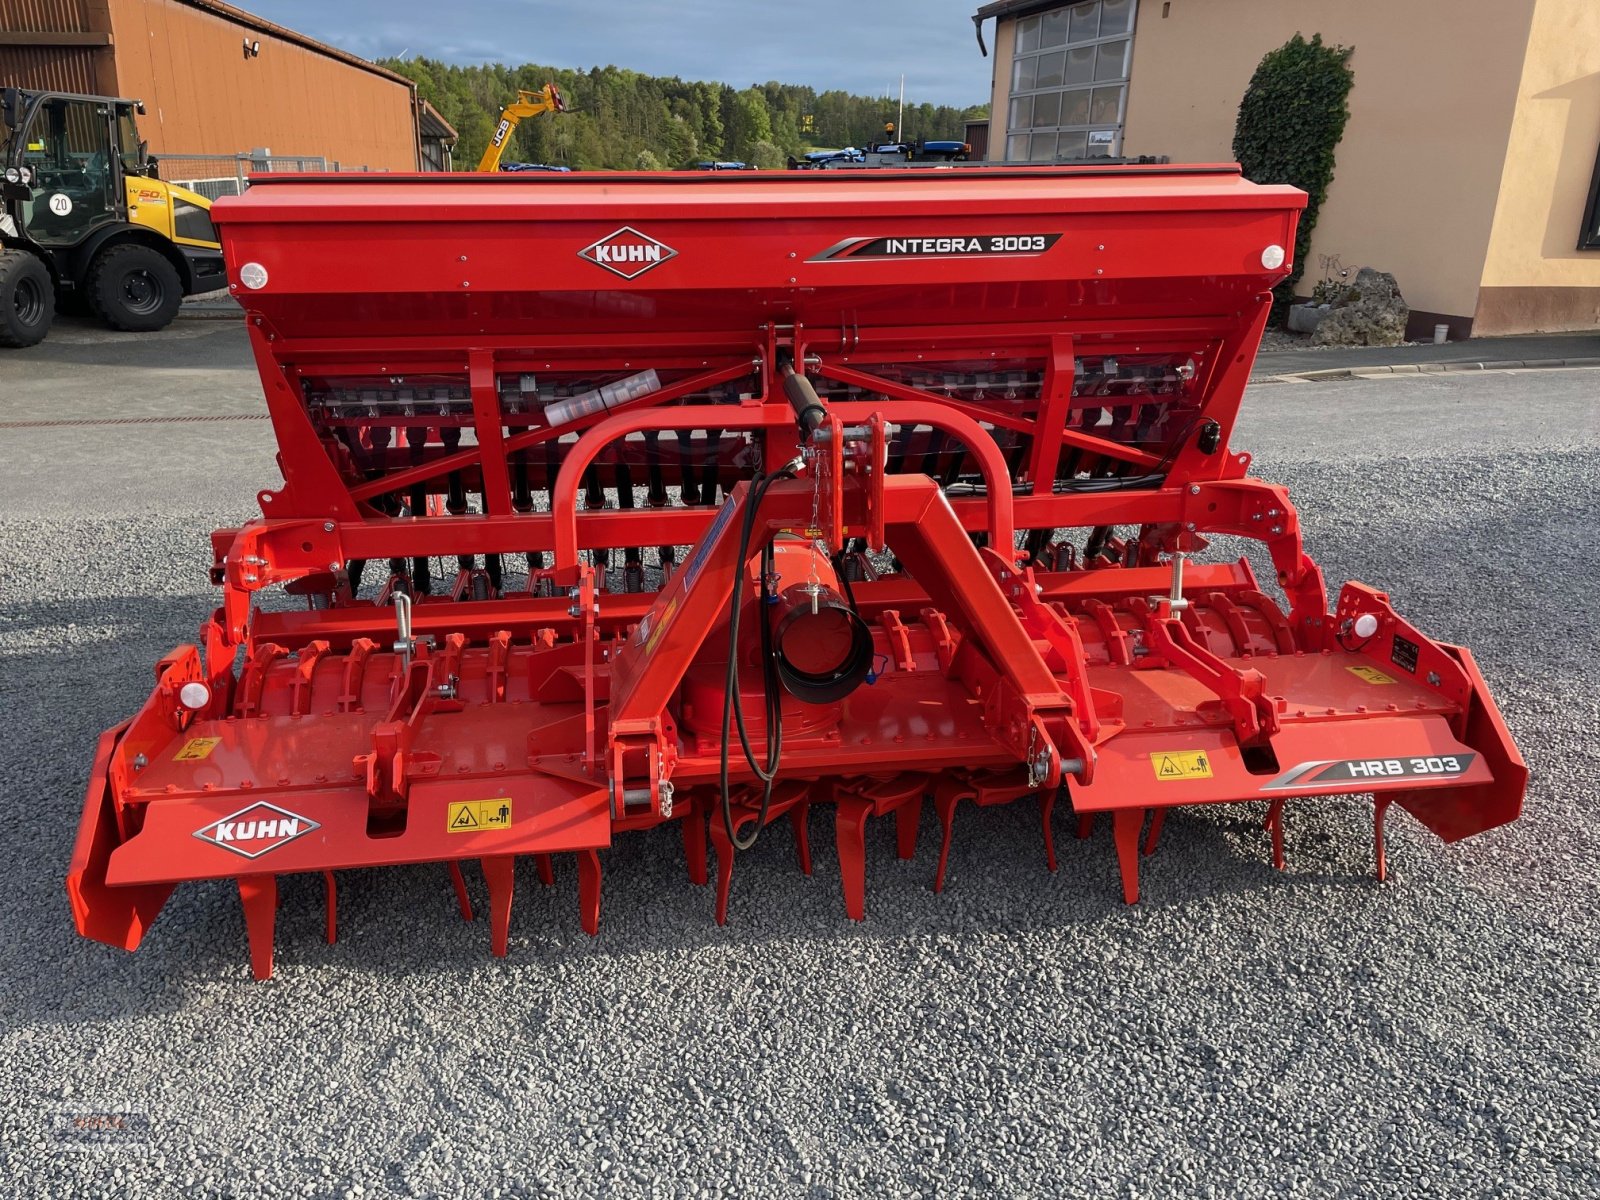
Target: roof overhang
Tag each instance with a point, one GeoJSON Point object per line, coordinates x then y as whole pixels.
{"type": "Point", "coordinates": [1001, 9]}
{"type": "Point", "coordinates": [431, 125]}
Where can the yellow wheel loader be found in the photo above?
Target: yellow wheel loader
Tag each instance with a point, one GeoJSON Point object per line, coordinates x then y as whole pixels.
{"type": "Point", "coordinates": [85, 222]}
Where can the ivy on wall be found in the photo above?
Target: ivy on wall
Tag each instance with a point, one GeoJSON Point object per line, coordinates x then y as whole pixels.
{"type": "Point", "coordinates": [1290, 122]}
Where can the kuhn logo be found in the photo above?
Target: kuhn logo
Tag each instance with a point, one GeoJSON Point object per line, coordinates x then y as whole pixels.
{"type": "Point", "coordinates": [253, 831]}
{"type": "Point", "coordinates": [627, 252]}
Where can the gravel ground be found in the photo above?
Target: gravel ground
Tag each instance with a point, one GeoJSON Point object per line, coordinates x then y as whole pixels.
{"type": "Point", "coordinates": [1281, 339]}
{"type": "Point", "coordinates": [1239, 1033]}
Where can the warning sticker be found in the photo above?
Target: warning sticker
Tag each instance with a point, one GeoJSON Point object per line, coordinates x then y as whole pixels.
{"type": "Point", "coordinates": [195, 749]}
{"type": "Point", "coordinates": [474, 816]}
{"type": "Point", "coordinates": [1181, 764]}
{"type": "Point", "coordinates": [1370, 675]}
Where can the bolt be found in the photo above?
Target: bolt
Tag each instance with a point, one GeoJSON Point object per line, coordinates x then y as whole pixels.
{"type": "Point", "coordinates": [140, 762]}
{"type": "Point", "coordinates": [466, 283]}
{"type": "Point", "coordinates": [1190, 526]}
{"type": "Point", "coordinates": [1194, 489]}
{"type": "Point", "coordinates": [327, 527]}
{"type": "Point", "coordinates": [333, 566]}
{"type": "Point", "coordinates": [463, 258]}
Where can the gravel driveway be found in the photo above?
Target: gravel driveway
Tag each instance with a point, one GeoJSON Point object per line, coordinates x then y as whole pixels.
{"type": "Point", "coordinates": [1239, 1033]}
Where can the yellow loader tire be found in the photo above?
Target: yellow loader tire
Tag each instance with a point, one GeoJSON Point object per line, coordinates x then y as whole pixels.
{"type": "Point", "coordinates": [134, 288]}
{"type": "Point", "coordinates": [27, 299]}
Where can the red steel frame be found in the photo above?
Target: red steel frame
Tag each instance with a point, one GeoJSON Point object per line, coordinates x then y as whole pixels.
{"type": "Point", "coordinates": [582, 711]}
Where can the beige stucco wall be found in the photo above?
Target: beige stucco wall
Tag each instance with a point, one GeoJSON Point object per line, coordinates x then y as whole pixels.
{"type": "Point", "coordinates": [1418, 172]}
{"type": "Point", "coordinates": [1534, 276]}
{"type": "Point", "coordinates": [1430, 115]}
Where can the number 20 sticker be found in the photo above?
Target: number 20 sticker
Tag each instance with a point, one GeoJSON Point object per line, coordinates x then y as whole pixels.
{"type": "Point", "coordinates": [61, 204]}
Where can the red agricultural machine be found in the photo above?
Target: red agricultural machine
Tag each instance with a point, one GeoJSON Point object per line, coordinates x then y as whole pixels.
{"type": "Point", "coordinates": [612, 501]}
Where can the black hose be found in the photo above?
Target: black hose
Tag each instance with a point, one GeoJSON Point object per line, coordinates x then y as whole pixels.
{"type": "Point", "coordinates": [732, 707]}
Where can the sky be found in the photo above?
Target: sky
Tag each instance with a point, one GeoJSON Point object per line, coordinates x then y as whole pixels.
{"type": "Point", "coordinates": [859, 46]}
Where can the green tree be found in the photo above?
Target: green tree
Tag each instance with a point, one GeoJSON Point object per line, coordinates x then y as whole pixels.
{"type": "Point", "coordinates": [766, 156]}
{"type": "Point", "coordinates": [1290, 123]}
{"type": "Point", "coordinates": [746, 121]}
{"type": "Point", "coordinates": [616, 115]}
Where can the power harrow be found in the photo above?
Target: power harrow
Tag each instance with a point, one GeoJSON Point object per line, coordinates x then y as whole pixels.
{"type": "Point", "coordinates": [618, 501]}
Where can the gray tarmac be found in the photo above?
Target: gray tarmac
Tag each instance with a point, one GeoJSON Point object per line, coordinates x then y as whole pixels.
{"type": "Point", "coordinates": [1241, 1032]}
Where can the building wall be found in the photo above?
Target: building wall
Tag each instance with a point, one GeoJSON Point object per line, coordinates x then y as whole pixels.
{"type": "Point", "coordinates": [56, 45]}
{"type": "Point", "coordinates": [1000, 53]}
{"type": "Point", "coordinates": [1419, 169]}
{"type": "Point", "coordinates": [1534, 277]}
{"type": "Point", "coordinates": [203, 96]}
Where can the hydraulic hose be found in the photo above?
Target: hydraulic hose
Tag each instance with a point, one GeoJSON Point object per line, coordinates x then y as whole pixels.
{"type": "Point", "coordinates": [732, 706]}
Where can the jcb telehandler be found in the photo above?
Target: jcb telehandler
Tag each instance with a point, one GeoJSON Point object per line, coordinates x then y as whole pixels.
{"type": "Point", "coordinates": [85, 222]}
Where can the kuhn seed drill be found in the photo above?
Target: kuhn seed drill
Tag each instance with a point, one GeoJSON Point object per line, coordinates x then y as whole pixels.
{"type": "Point", "coordinates": [612, 501]}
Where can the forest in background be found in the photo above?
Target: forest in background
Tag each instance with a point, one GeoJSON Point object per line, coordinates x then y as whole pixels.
{"type": "Point", "coordinates": [623, 120]}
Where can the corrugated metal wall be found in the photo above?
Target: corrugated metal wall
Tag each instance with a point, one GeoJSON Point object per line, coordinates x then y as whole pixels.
{"type": "Point", "coordinates": [57, 69]}
{"type": "Point", "coordinates": [45, 16]}
{"type": "Point", "coordinates": [62, 45]}
{"type": "Point", "coordinates": [204, 95]}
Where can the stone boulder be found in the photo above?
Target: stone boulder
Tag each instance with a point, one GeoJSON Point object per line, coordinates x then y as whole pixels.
{"type": "Point", "coordinates": [1371, 312]}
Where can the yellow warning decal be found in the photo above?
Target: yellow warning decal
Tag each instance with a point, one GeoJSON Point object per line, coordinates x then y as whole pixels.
{"type": "Point", "coordinates": [474, 816]}
{"type": "Point", "coordinates": [195, 749]}
{"type": "Point", "coordinates": [1181, 764]}
{"type": "Point", "coordinates": [1369, 674]}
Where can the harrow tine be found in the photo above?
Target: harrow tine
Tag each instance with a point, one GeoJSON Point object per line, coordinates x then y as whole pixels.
{"type": "Point", "coordinates": [1126, 826]}
{"type": "Point", "coordinates": [1085, 825]}
{"type": "Point", "coordinates": [1157, 820]}
{"type": "Point", "coordinates": [945, 800]}
{"type": "Point", "coordinates": [799, 821]}
{"type": "Point", "coordinates": [463, 901]}
{"type": "Point", "coordinates": [723, 849]}
{"type": "Point", "coordinates": [259, 896]}
{"type": "Point", "coordinates": [850, 824]}
{"type": "Point", "coordinates": [589, 891]}
{"type": "Point", "coordinates": [331, 894]}
{"type": "Point", "coordinates": [1381, 810]}
{"type": "Point", "coordinates": [499, 872]}
{"type": "Point", "coordinates": [907, 817]}
{"type": "Point", "coordinates": [546, 868]}
{"type": "Point", "coordinates": [1274, 822]}
{"type": "Point", "coordinates": [694, 843]}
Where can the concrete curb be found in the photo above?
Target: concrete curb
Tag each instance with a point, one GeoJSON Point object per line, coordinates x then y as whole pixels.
{"type": "Point", "coordinates": [1372, 372]}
